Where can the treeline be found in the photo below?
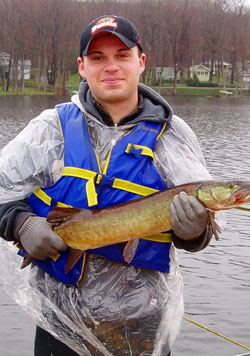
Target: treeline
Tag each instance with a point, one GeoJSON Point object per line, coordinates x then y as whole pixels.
{"type": "Point", "coordinates": [177, 33]}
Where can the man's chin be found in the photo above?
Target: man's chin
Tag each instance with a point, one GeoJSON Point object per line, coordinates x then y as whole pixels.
{"type": "Point", "coordinates": [112, 97]}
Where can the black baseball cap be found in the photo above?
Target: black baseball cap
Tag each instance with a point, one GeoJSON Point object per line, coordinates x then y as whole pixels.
{"type": "Point", "coordinates": [118, 26]}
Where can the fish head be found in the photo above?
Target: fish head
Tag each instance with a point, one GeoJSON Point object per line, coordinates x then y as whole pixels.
{"type": "Point", "coordinates": [224, 195]}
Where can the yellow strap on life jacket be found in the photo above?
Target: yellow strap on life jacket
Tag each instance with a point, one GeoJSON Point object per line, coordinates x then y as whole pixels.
{"type": "Point", "coordinates": [90, 186]}
{"type": "Point", "coordinates": [47, 199]}
{"type": "Point", "coordinates": [162, 130]}
{"type": "Point", "coordinates": [146, 151]}
{"type": "Point", "coordinates": [55, 257]}
{"type": "Point", "coordinates": [133, 187]}
{"type": "Point", "coordinates": [129, 186]}
{"type": "Point", "coordinates": [94, 177]}
{"type": "Point", "coordinates": [162, 237]}
{"type": "Point", "coordinates": [83, 266]}
{"type": "Point", "coordinates": [78, 172]}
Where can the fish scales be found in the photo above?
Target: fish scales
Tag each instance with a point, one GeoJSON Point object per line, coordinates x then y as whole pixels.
{"type": "Point", "coordinates": [88, 229]}
{"type": "Point", "coordinates": [116, 224]}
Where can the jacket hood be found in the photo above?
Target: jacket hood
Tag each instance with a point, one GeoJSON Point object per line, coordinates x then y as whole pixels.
{"type": "Point", "coordinates": [154, 106]}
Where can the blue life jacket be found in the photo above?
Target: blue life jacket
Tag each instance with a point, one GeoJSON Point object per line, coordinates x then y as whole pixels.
{"type": "Point", "coordinates": [129, 173]}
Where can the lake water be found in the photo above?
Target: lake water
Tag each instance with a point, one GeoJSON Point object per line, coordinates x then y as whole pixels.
{"type": "Point", "coordinates": [217, 280]}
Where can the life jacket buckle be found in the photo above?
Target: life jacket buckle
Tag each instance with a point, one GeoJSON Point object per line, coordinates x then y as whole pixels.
{"type": "Point", "coordinates": [135, 151]}
{"type": "Point", "coordinates": [53, 202]}
{"type": "Point", "coordinates": [106, 181]}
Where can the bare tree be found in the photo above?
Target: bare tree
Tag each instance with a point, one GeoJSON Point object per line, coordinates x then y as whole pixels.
{"type": "Point", "coordinates": [151, 30]}
{"type": "Point", "coordinates": [236, 36]}
{"type": "Point", "coordinates": [212, 25]}
{"type": "Point", "coordinates": [178, 24]}
{"type": "Point", "coordinates": [175, 33]}
{"type": "Point", "coordinates": [9, 8]}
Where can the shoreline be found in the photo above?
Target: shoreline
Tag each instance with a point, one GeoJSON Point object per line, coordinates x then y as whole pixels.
{"type": "Point", "coordinates": [164, 91]}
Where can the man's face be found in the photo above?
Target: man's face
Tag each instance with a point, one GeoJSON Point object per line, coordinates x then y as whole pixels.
{"type": "Point", "coordinates": [112, 70]}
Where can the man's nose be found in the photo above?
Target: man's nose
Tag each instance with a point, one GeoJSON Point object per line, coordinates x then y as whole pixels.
{"type": "Point", "coordinates": [111, 65]}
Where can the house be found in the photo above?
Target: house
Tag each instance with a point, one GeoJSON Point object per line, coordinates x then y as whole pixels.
{"type": "Point", "coordinates": [226, 66]}
{"type": "Point", "coordinates": [246, 79]}
{"type": "Point", "coordinates": [4, 59]}
{"type": "Point", "coordinates": [200, 71]}
{"type": "Point", "coordinates": [247, 67]}
{"type": "Point", "coordinates": [26, 65]}
{"type": "Point", "coordinates": [166, 73]}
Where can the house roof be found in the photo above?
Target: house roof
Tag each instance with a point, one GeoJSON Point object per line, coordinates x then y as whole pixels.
{"type": "Point", "coordinates": [198, 66]}
{"type": "Point", "coordinates": [165, 68]}
{"type": "Point", "coordinates": [4, 54]}
{"type": "Point", "coordinates": [216, 63]}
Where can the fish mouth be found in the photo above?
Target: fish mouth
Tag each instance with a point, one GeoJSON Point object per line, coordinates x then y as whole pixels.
{"type": "Point", "coordinates": [241, 196]}
{"type": "Point", "coordinates": [237, 197]}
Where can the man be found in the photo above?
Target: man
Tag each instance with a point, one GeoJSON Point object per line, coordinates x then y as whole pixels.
{"type": "Point", "coordinates": [116, 141]}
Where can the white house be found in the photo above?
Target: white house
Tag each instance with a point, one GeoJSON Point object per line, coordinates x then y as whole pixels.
{"type": "Point", "coordinates": [247, 67]}
{"type": "Point", "coordinates": [227, 67]}
{"type": "Point", "coordinates": [4, 62]}
{"type": "Point", "coordinates": [4, 59]}
{"type": "Point", "coordinates": [166, 73]}
{"type": "Point", "coordinates": [200, 71]}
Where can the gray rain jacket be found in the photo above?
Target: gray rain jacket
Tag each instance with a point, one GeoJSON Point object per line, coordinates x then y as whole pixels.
{"type": "Point", "coordinates": [34, 158]}
{"type": "Point", "coordinates": [118, 309]}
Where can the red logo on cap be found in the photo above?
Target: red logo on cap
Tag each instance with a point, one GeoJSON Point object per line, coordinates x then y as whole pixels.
{"type": "Point", "coordinates": [104, 22]}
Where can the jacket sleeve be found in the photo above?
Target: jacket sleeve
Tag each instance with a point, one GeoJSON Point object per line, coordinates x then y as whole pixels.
{"type": "Point", "coordinates": [33, 159]}
{"type": "Point", "coordinates": [27, 163]}
{"type": "Point", "coordinates": [179, 160]}
{"type": "Point", "coordinates": [195, 245]}
{"type": "Point", "coordinates": [12, 217]}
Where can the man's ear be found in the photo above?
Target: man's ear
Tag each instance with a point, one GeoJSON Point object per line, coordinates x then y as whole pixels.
{"type": "Point", "coordinates": [81, 67]}
{"type": "Point", "coordinates": [142, 60]}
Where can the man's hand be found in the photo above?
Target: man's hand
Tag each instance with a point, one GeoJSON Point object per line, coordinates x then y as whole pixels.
{"type": "Point", "coordinates": [189, 216]}
{"type": "Point", "coordinates": [39, 240]}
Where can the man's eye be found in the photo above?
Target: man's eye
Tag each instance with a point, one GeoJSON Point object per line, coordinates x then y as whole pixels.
{"type": "Point", "coordinates": [96, 58]}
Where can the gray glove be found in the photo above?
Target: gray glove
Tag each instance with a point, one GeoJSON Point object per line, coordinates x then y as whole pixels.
{"type": "Point", "coordinates": [189, 216]}
{"type": "Point", "coordinates": [39, 240]}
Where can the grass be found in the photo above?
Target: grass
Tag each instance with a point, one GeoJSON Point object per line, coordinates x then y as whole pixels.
{"type": "Point", "coordinates": [73, 80]}
{"type": "Point", "coordinates": [27, 91]}
{"type": "Point", "coordinates": [198, 91]}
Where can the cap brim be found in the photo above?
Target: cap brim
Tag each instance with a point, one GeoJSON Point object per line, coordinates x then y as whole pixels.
{"type": "Point", "coordinates": [128, 43]}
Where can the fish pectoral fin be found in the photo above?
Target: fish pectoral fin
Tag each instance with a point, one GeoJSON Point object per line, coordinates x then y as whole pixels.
{"type": "Point", "coordinates": [58, 215]}
{"type": "Point", "coordinates": [73, 258]}
{"type": "Point", "coordinates": [26, 261]}
{"type": "Point", "coordinates": [130, 250]}
{"type": "Point", "coordinates": [215, 227]}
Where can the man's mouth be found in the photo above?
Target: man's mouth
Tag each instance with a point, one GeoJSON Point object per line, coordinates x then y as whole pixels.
{"type": "Point", "coordinates": [112, 80]}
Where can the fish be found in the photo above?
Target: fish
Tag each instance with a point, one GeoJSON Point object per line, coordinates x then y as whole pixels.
{"type": "Point", "coordinates": [83, 229]}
